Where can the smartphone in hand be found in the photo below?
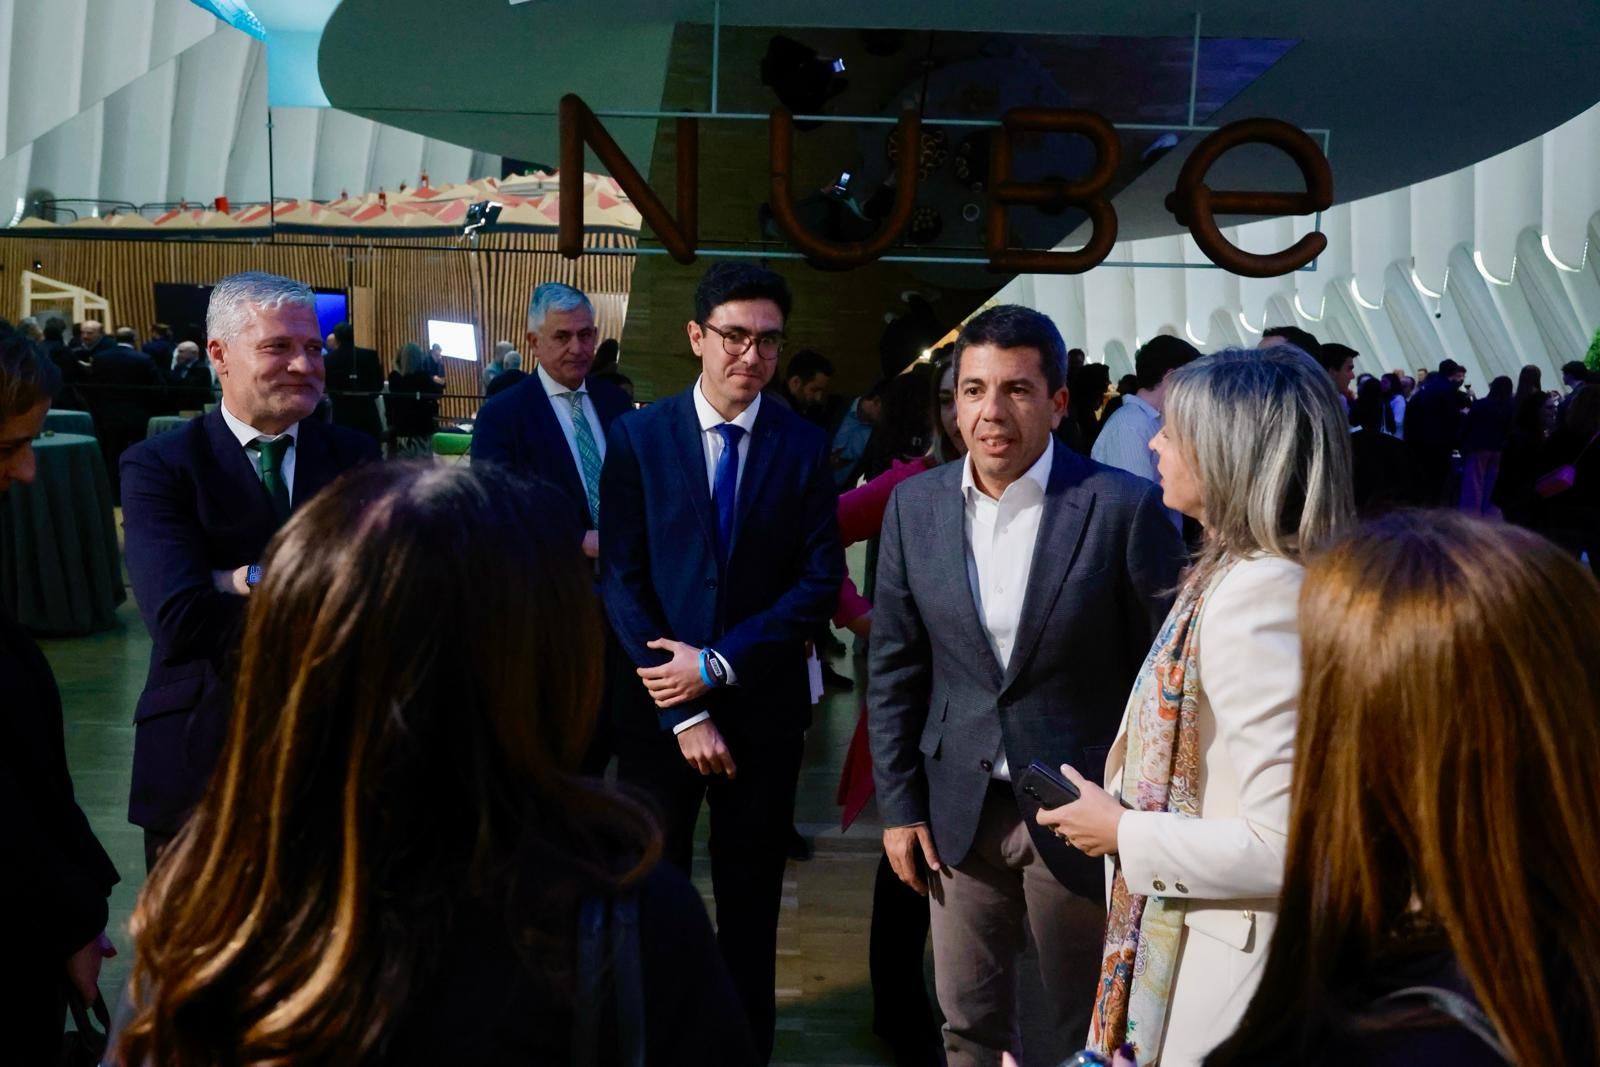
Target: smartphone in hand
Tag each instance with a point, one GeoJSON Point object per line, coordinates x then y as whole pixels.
{"type": "Point", "coordinates": [1046, 786]}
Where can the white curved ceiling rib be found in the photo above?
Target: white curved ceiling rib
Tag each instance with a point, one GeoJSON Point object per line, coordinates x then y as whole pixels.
{"type": "Point", "coordinates": [150, 101]}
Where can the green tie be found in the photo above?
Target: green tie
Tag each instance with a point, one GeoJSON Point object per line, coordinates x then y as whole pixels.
{"type": "Point", "coordinates": [588, 455]}
{"type": "Point", "coordinates": [272, 453]}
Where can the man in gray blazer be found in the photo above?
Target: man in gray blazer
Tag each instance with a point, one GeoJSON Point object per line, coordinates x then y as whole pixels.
{"type": "Point", "coordinates": [1018, 594]}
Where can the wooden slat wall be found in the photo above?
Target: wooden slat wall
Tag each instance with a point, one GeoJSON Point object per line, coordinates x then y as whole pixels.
{"type": "Point", "coordinates": [443, 279]}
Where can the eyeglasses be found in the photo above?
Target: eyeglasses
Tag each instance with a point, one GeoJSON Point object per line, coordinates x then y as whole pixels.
{"type": "Point", "coordinates": [737, 342]}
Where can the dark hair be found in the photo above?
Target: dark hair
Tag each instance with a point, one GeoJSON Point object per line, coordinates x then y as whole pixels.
{"type": "Point", "coordinates": [27, 378]}
{"type": "Point", "coordinates": [1014, 326]}
{"type": "Point", "coordinates": [615, 377]}
{"type": "Point", "coordinates": [1127, 385]}
{"type": "Point", "coordinates": [1580, 418]}
{"type": "Point", "coordinates": [1157, 356]}
{"type": "Point", "coordinates": [404, 744]}
{"type": "Point", "coordinates": [1302, 340]}
{"type": "Point", "coordinates": [1371, 410]}
{"type": "Point", "coordinates": [1576, 369]}
{"type": "Point", "coordinates": [54, 329]}
{"type": "Point", "coordinates": [1449, 366]}
{"type": "Point", "coordinates": [906, 425]}
{"type": "Point", "coordinates": [1530, 379]}
{"type": "Point", "coordinates": [730, 280]}
{"type": "Point", "coordinates": [606, 354]}
{"type": "Point", "coordinates": [344, 335]}
{"type": "Point", "coordinates": [1500, 388]}
{"type": "Point", "coordinates": [1333, 355]}
{"type": "Point", "coordinates": [806, 365]}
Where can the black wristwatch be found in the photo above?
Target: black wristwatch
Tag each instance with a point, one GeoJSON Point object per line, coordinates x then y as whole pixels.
{"type": "Point", "coordinates": [252, 575]}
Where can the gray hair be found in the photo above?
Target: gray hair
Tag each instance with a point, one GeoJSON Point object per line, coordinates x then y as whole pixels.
{"type": "Point", "coordinates": [554, 296]}
{"type": "Point", "coordinates": [30, 326]}
{"type": "Point", "coordinates": [188, 346]}
{"type": "Point", "coordinates": [514, 361]}
{"type": "Point", "coordinates": [238, 296]}
{"type": "Point", "coordinates": [502, 349]}
{"type": "Point", "coordinates": [1269, 443]}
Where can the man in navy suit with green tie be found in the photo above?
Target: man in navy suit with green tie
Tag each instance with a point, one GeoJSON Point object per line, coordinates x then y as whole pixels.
{"type": "Point", "coordinates": [719, 559]}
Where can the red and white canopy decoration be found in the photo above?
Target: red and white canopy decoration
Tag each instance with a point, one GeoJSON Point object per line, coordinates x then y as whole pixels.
{"type": "Point", "coordinates": [530, 202]}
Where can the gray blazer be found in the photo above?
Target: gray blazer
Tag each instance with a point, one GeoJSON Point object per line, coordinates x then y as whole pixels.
{"type": "Point", "coordinates": [1104, 570]}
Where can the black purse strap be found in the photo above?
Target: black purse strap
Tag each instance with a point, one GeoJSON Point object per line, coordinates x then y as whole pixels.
{"type": "Point", "coordinates": [609, 972]}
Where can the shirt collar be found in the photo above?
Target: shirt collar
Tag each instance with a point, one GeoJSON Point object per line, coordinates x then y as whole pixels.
{"type": "Point", "coordinates": [247, 435]}
{"type": "Point", "coordinates": [553, 387]}
{"type": "Point", "coordinates": [710, 420]}
{"type": "Point", "coordinates": [1039, 474]}
{"type": "Point", "coordinates": [1134, 400]}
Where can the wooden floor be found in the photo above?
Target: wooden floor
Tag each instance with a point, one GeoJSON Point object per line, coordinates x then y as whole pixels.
{"type": "Point", "coordinates": [824, 1004]}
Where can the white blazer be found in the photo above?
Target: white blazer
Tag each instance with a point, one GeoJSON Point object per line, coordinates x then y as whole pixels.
{"type": "Point", "coordinates": [1227, 865]}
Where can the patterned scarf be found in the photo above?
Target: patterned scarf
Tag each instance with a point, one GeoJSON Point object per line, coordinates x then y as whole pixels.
{"type": "Point", "coordinates": [1161, 772]}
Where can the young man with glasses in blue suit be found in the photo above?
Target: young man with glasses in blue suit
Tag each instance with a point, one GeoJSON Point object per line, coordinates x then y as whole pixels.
{"type": "Point", "coordinates": [719, 558]}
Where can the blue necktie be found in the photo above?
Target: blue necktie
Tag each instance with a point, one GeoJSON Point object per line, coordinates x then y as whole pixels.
{"type": "Point", "coordinates": [727, 486]}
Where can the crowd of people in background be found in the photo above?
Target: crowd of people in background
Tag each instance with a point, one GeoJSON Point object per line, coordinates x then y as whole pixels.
{"type": "Point", "coordinates": [381, 698]}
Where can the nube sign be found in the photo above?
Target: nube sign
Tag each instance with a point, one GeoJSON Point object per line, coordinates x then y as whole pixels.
{"type": "Point", "coordinates": [1194, 204]}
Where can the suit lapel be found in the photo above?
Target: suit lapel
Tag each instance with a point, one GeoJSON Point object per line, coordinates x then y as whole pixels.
{"type": "Point", "coordinates": [764, 440]}
{"type": "Point", "coordinates": [239, 474]}
{"type": "Point", "coordinates": [685, 430]}
{"type": "Point", "coordinates": [313, 467]}
{"type": "Point", "coordinates": [950, 546]}
{"type": "Point", "coordinates": [1066, 513]}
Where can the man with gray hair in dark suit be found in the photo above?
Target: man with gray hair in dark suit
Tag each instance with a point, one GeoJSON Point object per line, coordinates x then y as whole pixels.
{"type": "Point", "coordinates": [1018, 594]}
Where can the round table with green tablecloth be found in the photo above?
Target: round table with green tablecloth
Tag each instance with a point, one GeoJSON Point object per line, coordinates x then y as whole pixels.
{"type": "Point", "coordinates": [163, 423]}
{"type": "Point", "coordinates": [60, 572]}
{"type": "Point", "coordinates": [65, 420]}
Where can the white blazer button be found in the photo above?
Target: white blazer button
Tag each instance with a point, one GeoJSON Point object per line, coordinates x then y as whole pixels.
{"type": "Point", "coordinates": [1159, 886]}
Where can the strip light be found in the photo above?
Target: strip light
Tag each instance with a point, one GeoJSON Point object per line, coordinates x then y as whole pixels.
{"type": "Point", "coordinates": [1550, 254]}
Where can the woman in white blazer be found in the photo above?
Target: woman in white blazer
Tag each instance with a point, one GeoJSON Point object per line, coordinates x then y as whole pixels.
{"type": "Point", "coordinates": [1194, 816]}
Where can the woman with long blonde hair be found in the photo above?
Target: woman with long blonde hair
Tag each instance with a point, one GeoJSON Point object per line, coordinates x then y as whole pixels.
{"type": "Point", "coordinates": [1255, 447]}
{"type": "Point", "coordinates": [1442, 899]}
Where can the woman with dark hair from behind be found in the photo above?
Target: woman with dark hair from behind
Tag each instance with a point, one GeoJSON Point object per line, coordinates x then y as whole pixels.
{"type": "Point", "coordinates": [55, 895]}
{"type": "Point", "coordinates": [410, 402]}
{"type": "Point", "coordinates": [1086, 395]}
{"type": "Point", "coordinates": [390, 862]}
{"type": "Point", "coordinates": [1529, 380]}
{"type": "Point", "coordinates": [1440, 899]}
{"type": "Point", "coordinates": [1483, 439]}
{"type": "Point", "coordinates": [1570, 515]}
{"type": "Point", "coordinates": [1522, 460]}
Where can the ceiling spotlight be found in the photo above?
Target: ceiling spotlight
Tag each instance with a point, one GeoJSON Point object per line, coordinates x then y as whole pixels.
{"type": "Point", "coordinates": [803, 80]}
{"type": "Point", "coordinates": [480, 214]}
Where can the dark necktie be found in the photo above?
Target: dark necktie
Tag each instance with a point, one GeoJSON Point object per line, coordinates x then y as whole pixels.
{"type": "Point", "coordinates": [272, 453]}
{"type": "Point", "coordinates": [726, 491]}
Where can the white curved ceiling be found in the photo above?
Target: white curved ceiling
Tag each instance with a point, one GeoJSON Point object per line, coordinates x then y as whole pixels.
{"type": "Point", "coordinates": [150, 101]}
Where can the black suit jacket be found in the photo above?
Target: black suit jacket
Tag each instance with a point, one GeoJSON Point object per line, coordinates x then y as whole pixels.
{"type": "Point", "coordinates": [192, 503]}
{"type": "Point", "coordinates": [661, 576]}
{"type": "Point", "coordinates": [518, 429]}
{"type": "Point", "coordinates": [939, 703]}
{"type": "Point", "coordinates": [56, 894]}
{"type": "Point", "coordinates": [355, 370]}
{"type": "Point", "coordinates": [128, 388]}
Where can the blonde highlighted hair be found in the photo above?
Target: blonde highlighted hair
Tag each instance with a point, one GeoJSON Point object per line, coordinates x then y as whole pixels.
{"type": "Point", "coordinates": [1266, 435]}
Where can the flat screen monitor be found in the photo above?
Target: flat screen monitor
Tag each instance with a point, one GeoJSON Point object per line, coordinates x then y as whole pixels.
{"type": "Point", "coordinates": [458, 340]}
{"type": "Point", "coordinates": [183, 307]}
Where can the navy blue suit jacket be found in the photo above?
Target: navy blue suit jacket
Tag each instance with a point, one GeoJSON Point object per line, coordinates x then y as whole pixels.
{"type": "Point", "coordinates": [192, 503]}
{"type": "Point", "coordinates": [518, 429]}
{"type": "Point", "coordinates": [660, 574]}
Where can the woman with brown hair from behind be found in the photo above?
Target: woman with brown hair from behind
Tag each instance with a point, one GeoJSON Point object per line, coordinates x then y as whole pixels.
{"type": "Point", "coordinates": [1442, 901]}
{"type": "Point", "coordinates": [390, 862]}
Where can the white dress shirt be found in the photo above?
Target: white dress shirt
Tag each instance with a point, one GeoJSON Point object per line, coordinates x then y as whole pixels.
{"type": "Point", "coordinates": [1124, 443]}
{"type": "Point", "coordinates": [1001, 535]}
{"type": "Point", "coordinates": [247, 434]}
{"type": "Point", "coordinates": [563, 408]}
{"type": "Point", "coordinates": [711, 441]}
